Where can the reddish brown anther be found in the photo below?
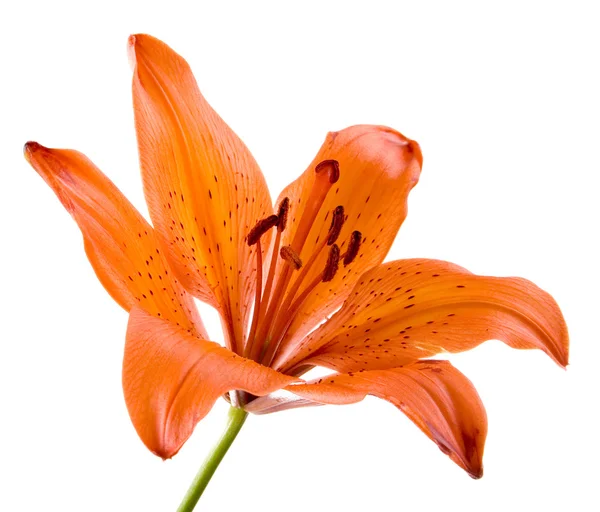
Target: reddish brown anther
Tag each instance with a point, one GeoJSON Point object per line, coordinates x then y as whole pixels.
{"type": "Point", "coordinates": [261, 227]}
{"type": "Point", "coordinates": [288, 254]}
{"type": "Point", "coordinates": [353, 247]}
{"type": "Point", "coordinates": [337, 221]}
{"type": "Point", "coordinates": [333, 263]}
{"type": "Point", "coordinates": [284, 208]}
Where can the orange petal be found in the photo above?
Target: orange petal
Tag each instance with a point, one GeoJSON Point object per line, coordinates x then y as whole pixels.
{"type": "Point", "coordinates": [204, 189]}
{"type": "Point", "coordinates": [378, 168]}
{"type": "Point", "coordinates": [439, 399]}
{"type": "Point", "coordinates": [120, 244]}
{"type": "Point", "coordinates": [410, 309]}
{"type": "Point", "coordinates": [171, 380]}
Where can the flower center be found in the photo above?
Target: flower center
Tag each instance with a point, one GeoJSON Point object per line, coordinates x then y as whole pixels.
{"type": "Point", "coordinates": [276, 306]}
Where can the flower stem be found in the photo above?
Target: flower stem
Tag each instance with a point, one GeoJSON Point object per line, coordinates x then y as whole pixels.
{"type": "Point", "coordinates": [235, 421]}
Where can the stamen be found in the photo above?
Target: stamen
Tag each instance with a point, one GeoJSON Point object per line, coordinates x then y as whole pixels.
{"type": "Point", "coordinates": [291, 256]}
{"type": "Point", "coordinates": [333, 262]}
{"type": "Point", "coordinates": [280, 324]}
{"type": "Point", "coordinates": [353, 247]}
{"type": "Point", "coordinates": [337, 221]}
{"type": "Point", "coordinates": [327, 173]}
{"type": "Point", "coordinates": [261, 227]}
{"type": "Point", "coordinates": [281, 302]}
{"type": "Point", "coordinates": [284, 208]}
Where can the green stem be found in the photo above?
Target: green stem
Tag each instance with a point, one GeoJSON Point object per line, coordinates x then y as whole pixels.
{"type": "Point", "coordinates": [236, 419]}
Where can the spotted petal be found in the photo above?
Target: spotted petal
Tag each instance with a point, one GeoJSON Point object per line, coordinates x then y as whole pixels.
{"type": "Point", "coordinates": [204, 189]}
{"type": "Point", "coordinates": [119, 243]}
{"type": "Point", "coordinates": [439, 399]}
{"type": "Point", "coordinates": [378, 168]}
{"type": "Point", "coordinates": [172, 379]}
{"type": "Point", "coordinates": [406, 310]}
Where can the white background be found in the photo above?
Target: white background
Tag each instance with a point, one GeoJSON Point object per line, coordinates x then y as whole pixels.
{"type": "Point", "coordinates": [503, 98]}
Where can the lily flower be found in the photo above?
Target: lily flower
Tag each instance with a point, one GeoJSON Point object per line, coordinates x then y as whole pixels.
{"type": "Point", "coordinates": [299, 283]}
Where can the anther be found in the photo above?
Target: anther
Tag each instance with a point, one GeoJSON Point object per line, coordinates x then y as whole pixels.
{"type": "Point", "coordinates": [333, 261]}
{"type": "Point", "coordinates": [288, 254]}
{"type": "Point", "coordinates": [284, 208]}
{"type": "Point", "coordinates": [337, 221]}
{"type": "Point", "coordinates": [332, 167]}
{"type": "Point", "coordinates": [353, 247]}
{"type": "Point", "coordinates": [261, 227]}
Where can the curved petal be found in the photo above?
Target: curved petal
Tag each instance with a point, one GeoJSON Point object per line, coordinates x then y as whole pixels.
{"type": "Point", "coordinates": [439, 399]}
{"type": "Point", "coordinates": [204, 189]}
{"type": "Point", "coordinates": [119, 243]}
{"type": "Point", "coordinates": [172, 379]}
{"type": "Point", "coordinates": [378, 168]}
{"type": "Point", "coordinates": [410, 309]}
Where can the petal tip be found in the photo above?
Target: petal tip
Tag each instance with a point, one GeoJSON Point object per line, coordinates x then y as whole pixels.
{"type": "Point", "coordinates": [410, 151]}
{"type": "Point", "coordinates": [564, 355]}
{"type": "Point", "coordinates": [134, 40]}
{"type": "Point", "coordinates": [410, 148]}
{"type": "Point", "coordinates": [145, 48]}
{"type": "Point", "coordinates": [414, 148]}
{"type": "Point", "coordinates": [30, 148]}
{"type": "Point", "coordinates": [139, 41]}
{"type": "Point", "coordinates": [475, 473]}
{"type": "Point", "coordinates": [163, 453]}
{"type": "Point", "coordinates": [131, 44]}
{"type": "Point", "coordinates": [135, 43]}
{"type": "Point", "coordinates": [560, 353]}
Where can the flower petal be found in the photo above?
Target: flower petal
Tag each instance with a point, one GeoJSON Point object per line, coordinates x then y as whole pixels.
{"type": "Point", "coordinates": [119, 243]}
{"type": "Point", "coordinates": [378, 168]}
{"type": "Point", "coordinates": [410, 309]}
{"type": "Point", "coordinates": [172, 379]}
{"type": "Point", "coordinates": [439, 399]}
{"type": "Point", "coordinates": [204, 189]}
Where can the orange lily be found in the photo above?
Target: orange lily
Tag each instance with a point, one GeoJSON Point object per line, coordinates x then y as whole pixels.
{"type": "Point", "coordinates": [298, 286]}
